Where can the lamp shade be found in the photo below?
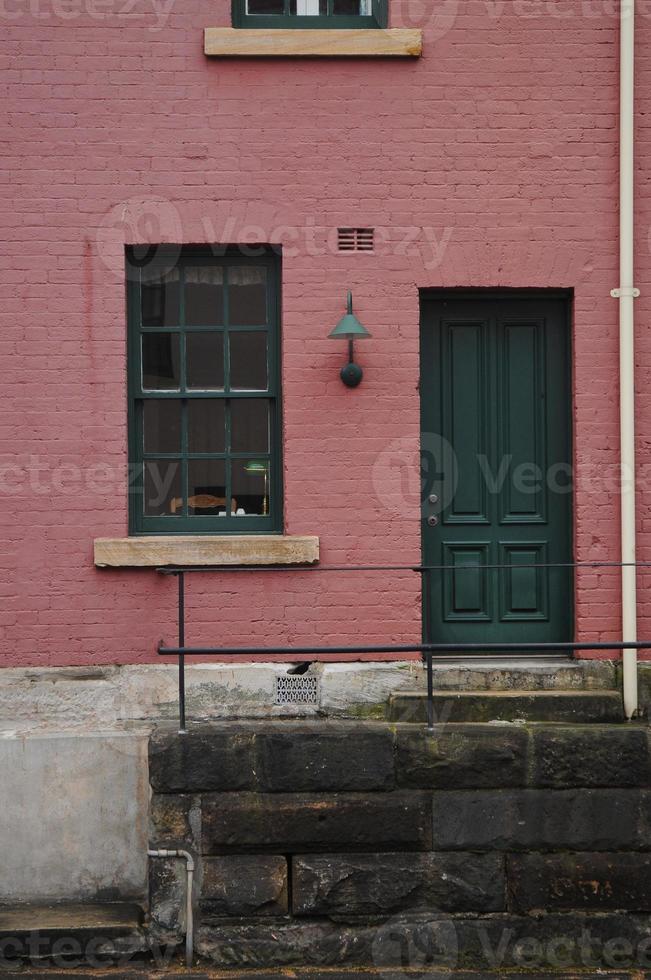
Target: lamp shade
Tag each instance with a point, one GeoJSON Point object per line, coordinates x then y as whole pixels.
{"type": "Point", "coordinates": [349, 327]}
{"type": "Point", "coordinates": [255, 466]}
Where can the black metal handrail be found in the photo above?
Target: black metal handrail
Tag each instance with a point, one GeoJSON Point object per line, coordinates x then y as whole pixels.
{"type": "Point", "coordinates": [427, 650]}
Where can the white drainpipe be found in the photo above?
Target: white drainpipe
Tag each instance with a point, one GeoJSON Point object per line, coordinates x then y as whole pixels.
{"type": "Point", "coordinates": [189, 925]}
{"type": "Point", "coordinates": [627, 294]}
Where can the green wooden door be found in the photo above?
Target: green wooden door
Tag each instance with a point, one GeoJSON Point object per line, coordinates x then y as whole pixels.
{"type": "Point", "coordinates": [496, 451]}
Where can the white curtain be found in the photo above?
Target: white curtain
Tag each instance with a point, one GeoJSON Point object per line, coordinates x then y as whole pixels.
{"type": "Point", "coordinates": [243, 275]}
{"type": "Point", "coordinates": [205, 275]}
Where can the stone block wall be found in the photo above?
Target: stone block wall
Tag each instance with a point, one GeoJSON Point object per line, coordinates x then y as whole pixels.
{"type": "Point", "coordinates": [366, 844]}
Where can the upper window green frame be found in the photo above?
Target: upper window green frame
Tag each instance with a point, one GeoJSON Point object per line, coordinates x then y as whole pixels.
{"type": "Point", "coordinates": [204, 390]}
{"type": "Point", "coordinates": [378, 17]}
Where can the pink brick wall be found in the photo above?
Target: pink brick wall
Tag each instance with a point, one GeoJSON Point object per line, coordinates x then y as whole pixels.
{"type": "Point", "coordinates": [492, 161]}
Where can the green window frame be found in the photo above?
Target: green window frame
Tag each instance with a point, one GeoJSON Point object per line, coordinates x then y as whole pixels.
{"type": "Point", "coordinates": [328, 18]}
{"type": "Point", "coordinates": [204, 390]}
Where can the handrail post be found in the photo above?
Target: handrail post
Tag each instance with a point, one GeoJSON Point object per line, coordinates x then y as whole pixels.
{"type": "Point", "coordinates": [182, 728]}
{"type": "Point", "coordinates": [427, 599]}
{"type": "Point", "coordinates": [430, 694]}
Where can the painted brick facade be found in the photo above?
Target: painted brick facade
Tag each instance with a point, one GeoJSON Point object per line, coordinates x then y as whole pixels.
{"type": "Point", "coordinates": [491, 161]}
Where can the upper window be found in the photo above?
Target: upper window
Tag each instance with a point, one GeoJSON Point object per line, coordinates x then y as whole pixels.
{"type": "Point", "coordinates": [310, 13]}
{"type": "Point", "coordinates": [203, 392]}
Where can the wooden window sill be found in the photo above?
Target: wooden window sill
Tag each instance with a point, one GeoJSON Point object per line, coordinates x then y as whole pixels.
{"type": "Point", "coordinates": [245, 549]}
{"type": "Point", "coordinates": [230, 42]}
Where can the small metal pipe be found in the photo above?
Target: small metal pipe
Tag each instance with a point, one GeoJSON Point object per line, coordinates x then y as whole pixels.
{"type": "Point", "coordinates": [182, 728]}
{"type": "Point", "coordinates": [430, 694]}
{"type": "Point", "coordinates": [627, 294]}
{"type": "Point", "coordinates": [189, 919]}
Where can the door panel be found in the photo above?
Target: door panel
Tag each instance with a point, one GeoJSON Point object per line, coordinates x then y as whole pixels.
{"type": "Point", "coordinates": [495, 396]}
{"type": "Point", "coordinates": [463, 420]}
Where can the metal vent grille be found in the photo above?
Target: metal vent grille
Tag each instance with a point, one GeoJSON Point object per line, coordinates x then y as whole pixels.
{"type": "Point", "coordinates": [297, 689]}
{"type": "Point", "coordinates": [356, 239]}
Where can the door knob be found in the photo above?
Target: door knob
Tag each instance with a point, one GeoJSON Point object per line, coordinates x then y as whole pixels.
{"type": "Point", "coordinates": [432, 521]}
{"type": "Point", "coordinates": [433, 498]}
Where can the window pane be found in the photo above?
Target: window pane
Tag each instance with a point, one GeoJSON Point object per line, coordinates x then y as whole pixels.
{"type": "Point", "coordinates": [206, 433]}
{"type": "Point", "coordinates": [206, 487]}
{"type": "Point", "coordinates": [250, 484]}
{"type": "Point", "coordinates": [248, 356]}
{"type": "Point", "coordinates": [162, 426]}
{"type": "Point", "coordinates": [204, 295]}
{"type": "Point", "coordinates": [205, 360]}
{"type": "Point", "coordinates": [249, 426]}
{"type": "Point", "coordinates": [352, 8]}
{"type": "Point", "coordinates": [160, 361]}
{"type": "Point", "coordinates": [162, 486]}
{"type": "Point", "coordinates": [247, 296]}
{"type": "Point", "coordinates": [312, 8]}
{"type": "Point", "coordinates": [160, 300]}
{"type": "Point", "coordinates": [265, 6]}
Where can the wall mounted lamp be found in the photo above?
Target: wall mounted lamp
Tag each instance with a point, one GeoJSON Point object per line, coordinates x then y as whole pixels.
{"type": "Point", "coordinates": [349, 328]}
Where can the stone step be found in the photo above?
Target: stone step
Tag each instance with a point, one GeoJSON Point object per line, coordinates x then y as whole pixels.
{"type": "Point", "coordinates": [69, 931]}
{"type": "Point", "coordinates": [312, 973]}
{"type": "Point", "coordinates": [482, 672]}
{"type": "Point", "coordinates": [485, 706]}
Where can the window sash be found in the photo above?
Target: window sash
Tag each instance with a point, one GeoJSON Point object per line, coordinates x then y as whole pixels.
{"type": "Point", "coordinates": [377, 17]}
{"type": "Point", "coordinates": [184, 523]}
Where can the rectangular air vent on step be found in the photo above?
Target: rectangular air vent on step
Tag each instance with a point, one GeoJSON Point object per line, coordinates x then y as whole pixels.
{"type": "Point", "coordinates": [355, 239]}
{"type": "Point", "coordinates": [297, 689]}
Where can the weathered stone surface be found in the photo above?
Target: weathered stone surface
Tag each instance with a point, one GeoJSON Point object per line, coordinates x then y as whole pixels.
{"type": "Point", "coordinates": [644, 687]}
{"type": "Point", "coordinates": [422, 942]}
{"type": "Point", "coordinates": [397, 42]}
{"type": "Point", "coordinates": [274, 943]}
{"type": "Point", "coordinates": [190, 549]}
{"type": "Point", "coordinates": [243, 885]}
{"type": "Point", "coordinates": [325, 757]}
{"type": "Point", "coordinates": [555, 942]}
{"type": "Point", "coordinates": [109, 696]}
{"type": "Point", "coordinates": [295, 822]}
{"type": "Point", "coordinates": [167, 885]}
{"type": "Point", "coordinates": [174, 821]}
{"type": "Point", "coordinates": [84, 932]}
{"type": "Point", "coordinates": [565, 757]}
{"type": "Point", "coordinates": [528, 675]}
{"type": "Point", "coordinates": [203, 760]}
{"type": "Point", "coordinates": [73, 817]}
{"type": "Point", "coordinates": [477, 706]}
{"type": "Point", "coordinates": [519, 819]}
{"type": "Point", "coordinates": [372, 884]}
{"type": "Point", "coordinates": [461, 757]}
{"type": "Point", "coordinates": [557, 882]}
{"type": "Point", "coordinates": [310, 973]}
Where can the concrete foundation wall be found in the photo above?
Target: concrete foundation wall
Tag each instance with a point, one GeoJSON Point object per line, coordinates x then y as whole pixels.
{"type": "Point", "coordinates": [73, 820]}
{"type": "Point", "coordinates": [103, 698]}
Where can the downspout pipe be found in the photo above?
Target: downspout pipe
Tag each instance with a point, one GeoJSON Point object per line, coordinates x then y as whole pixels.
{"type": "Point", "coordinates": [189, 923]}
{"type": "Point", "coordinates": [627, 294]}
